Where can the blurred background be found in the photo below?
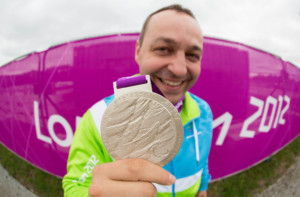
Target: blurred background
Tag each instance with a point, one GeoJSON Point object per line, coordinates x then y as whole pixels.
{"type": "Point", "coordinates": [35, 25]}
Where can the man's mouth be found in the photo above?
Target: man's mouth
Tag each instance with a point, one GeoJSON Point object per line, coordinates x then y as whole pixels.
{"type": "Point", "coordinates": [171, 83]}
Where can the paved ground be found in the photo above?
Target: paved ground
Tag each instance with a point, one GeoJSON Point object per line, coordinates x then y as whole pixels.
{"type": "Point", "coordinates": [9, 187]}
{"type": "Point", "coordinates": [287, 186]}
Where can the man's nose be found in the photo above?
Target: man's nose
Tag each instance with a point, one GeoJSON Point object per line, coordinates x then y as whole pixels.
{"type": "Point", "coordinates": [178, 65]}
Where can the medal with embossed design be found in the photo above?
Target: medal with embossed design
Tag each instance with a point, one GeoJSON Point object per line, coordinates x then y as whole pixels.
{"type": "Point", "coordinates": [141, 124]}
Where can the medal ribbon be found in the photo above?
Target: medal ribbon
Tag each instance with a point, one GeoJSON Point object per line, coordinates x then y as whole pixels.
{"type": "Point", "coordinates": [141, 79]}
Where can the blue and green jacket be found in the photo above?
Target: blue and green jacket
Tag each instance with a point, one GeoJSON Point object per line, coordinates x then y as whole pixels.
{"type": "Point", "coordinates": [190, 165]}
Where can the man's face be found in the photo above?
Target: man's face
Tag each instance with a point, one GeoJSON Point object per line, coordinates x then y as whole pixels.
{"type": "Point", "coordinates": [171, 53]}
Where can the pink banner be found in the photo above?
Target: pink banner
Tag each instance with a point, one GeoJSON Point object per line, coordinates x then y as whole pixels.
{"type": "Point", "coordinates": [254, 96]}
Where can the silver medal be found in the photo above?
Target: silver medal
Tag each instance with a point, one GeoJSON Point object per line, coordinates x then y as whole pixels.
{"type": "Point", "coordinates": [142, 125]}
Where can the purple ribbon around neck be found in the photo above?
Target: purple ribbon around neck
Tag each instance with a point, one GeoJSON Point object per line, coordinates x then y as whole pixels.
{"type": "Point", "coordinates": [138, 80]}
{"type": "Point", "coordinates": [131, 81]}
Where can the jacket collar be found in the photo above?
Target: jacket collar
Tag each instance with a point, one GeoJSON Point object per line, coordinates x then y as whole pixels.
{"type": "Point", "coordinates": [190, 109]}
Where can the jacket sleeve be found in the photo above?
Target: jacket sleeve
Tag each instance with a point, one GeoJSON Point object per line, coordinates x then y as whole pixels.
{"type": "Point", "coordinates": [204, 179]}
{"type": "Point", "coordinates": [208, 116]}
{"type": "Point", "coordinates": [87, 151]}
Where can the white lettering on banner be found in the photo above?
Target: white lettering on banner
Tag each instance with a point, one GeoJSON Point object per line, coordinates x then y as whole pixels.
{"type": "Point", "coordinates": [53, 119]}
{"type": "Point", "coordinates": [288, 100]}
{"type": "Point", "coordinates": [277, 117]}
{"type": "Point", "coordinates": [260, 104]}
{"type": "Point", "coordinates": [226, 120]}
{"type": "Point", "coordinates": [278, 111]}
{"type": "Point", "coordinates": [262, 126]}
{"type": "Point", "coordinates": [69, 133]}
{"type": "Point", "coordinates": [263, 108]}
{"type": "Point", "coordinates": [39, 134]}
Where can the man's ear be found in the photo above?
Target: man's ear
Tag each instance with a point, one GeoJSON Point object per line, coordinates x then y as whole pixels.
{"type": "Point", "coordinates": [137, 52]}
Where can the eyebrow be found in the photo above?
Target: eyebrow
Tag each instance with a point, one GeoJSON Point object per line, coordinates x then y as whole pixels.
{"type": "Point", "coordinates": [167, 40]}
{"type": "Point", "coordinates": [173, 42]}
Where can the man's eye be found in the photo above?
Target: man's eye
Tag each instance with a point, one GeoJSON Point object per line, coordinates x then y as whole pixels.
{"type": "Point", "coordinates": [193, 57]}
{"type": "Point", "coordinates": [162, 50]}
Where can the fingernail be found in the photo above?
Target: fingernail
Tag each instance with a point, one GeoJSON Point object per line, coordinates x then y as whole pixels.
{"type": "Point", "coordinates": [172, 178]}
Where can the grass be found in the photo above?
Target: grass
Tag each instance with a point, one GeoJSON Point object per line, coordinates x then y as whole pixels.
{"type": "Point", "coordinates": [256, 179]}
{"type": "Point", "coordinates": [37, 181]}
{"type": "Point", "coordinates": [247, 183]}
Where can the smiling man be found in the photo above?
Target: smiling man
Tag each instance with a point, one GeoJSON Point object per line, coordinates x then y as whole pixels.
{"type": "Point", "coordinates": [169, 50]}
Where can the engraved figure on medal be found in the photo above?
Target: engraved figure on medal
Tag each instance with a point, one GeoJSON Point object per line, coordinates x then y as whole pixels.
{"type": "Point", "coordinates": [142, 125]}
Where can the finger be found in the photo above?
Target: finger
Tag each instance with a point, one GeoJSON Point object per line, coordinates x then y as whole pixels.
{"type": "Point", "coordinates": [137, 170]}
{"type": "Point", "coordinates": [126, 189]}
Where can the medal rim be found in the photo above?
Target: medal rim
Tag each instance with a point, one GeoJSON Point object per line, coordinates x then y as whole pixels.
{"type": "Point", "coordinates": [166, 105]}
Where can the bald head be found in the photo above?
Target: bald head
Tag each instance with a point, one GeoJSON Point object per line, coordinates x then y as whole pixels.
{"type": "Point", "coordinates": [175, 7]}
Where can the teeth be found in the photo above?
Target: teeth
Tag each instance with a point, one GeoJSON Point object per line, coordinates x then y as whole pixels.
{"type": "Point", "coordinates": [171, 83]}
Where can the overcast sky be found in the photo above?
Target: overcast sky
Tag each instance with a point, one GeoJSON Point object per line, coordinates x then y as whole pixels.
{"type": "Point", "coordinates": [35, 25]}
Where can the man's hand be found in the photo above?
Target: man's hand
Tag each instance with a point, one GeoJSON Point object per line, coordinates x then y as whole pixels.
{"type": "Point", "coordinates": [202, 194]}
{"type": "Point", "coordinates": [128, 177]}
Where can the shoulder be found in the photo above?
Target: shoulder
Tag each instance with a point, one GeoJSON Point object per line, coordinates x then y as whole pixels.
{"type": "Point", "coordinates": [203, 105]}
{"type": "Point", "coordinates": [101, 105]}
{"type": "Point", "coordinates": [98, 109]}
{"type": "Point", "coordinates": [198, 100]}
